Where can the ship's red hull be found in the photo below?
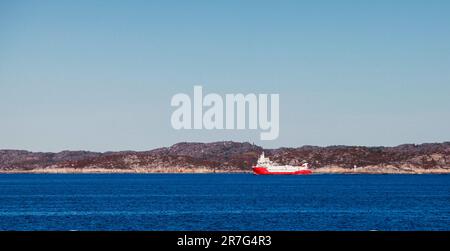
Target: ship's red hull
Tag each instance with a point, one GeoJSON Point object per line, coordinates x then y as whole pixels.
{"type": "Point", "coordinates": [264, 171]}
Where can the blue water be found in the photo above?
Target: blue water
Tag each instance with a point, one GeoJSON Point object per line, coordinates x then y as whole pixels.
{"type": "Point", "coordinates": [224, 202]}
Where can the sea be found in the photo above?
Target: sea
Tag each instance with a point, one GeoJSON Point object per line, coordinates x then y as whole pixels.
{"type": "Point", "coordinates": [75, 202]}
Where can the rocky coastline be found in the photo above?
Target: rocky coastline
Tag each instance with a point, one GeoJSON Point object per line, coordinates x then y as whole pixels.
{"type": "Point", "coordinates": [235, 157]}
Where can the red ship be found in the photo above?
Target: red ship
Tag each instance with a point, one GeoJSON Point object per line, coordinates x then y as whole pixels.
{"type": "Point", "coordinates": [266, 167]}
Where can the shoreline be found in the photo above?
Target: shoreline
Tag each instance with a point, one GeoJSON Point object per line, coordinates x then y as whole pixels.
{"type": "Point", "coordinates": [235, 157]}
{"type": "Point", "coordinates": [324, 170]}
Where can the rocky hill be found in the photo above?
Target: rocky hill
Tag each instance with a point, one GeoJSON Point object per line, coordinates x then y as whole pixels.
{"type": "Point", "coordinates": [235, 157]}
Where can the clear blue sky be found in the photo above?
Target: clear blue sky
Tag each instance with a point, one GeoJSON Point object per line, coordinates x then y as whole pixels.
{"type": "Point", "coordinates": [99, 75]}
